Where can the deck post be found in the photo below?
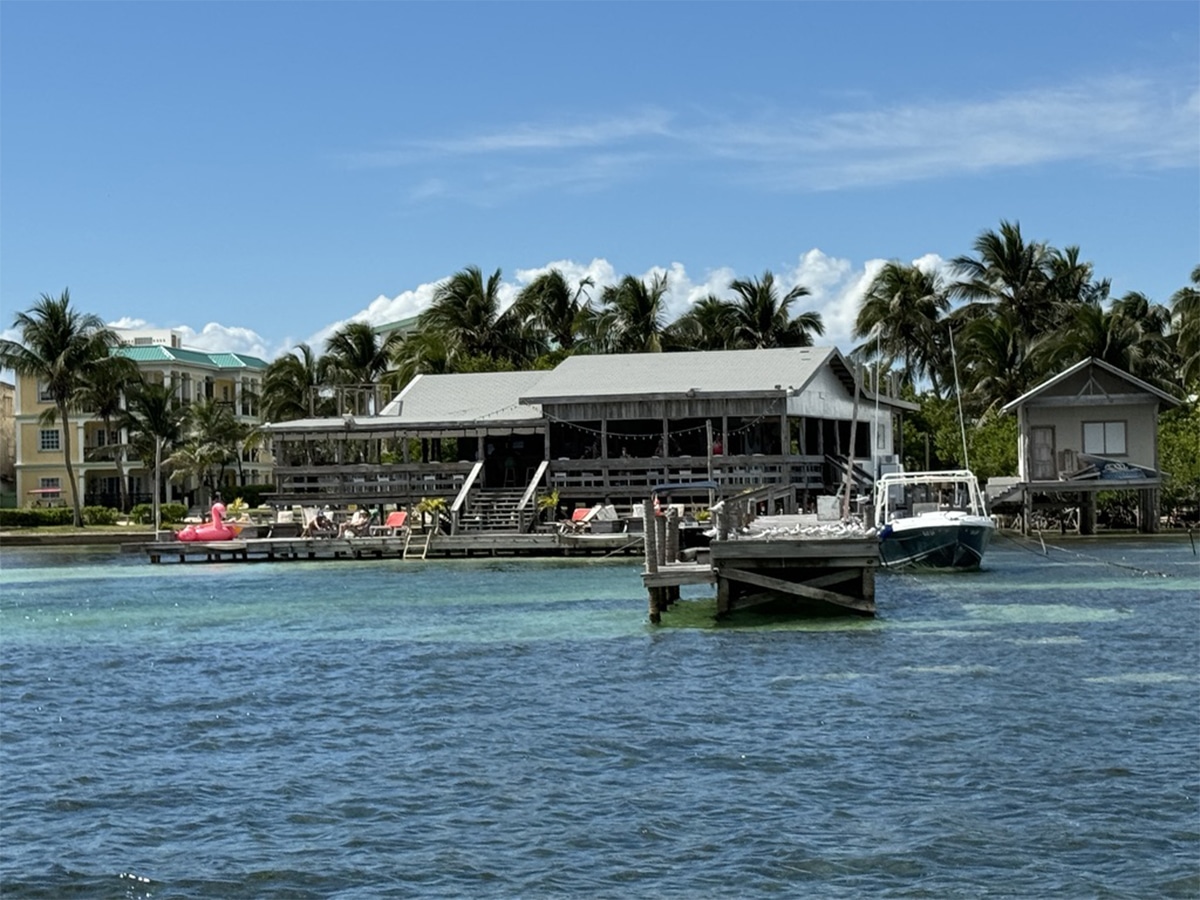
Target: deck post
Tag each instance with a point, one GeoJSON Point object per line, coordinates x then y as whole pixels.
{"type": "Point", "coordinates": [671, 553]}
{"type": "Point", "coordinates": [649, 536]}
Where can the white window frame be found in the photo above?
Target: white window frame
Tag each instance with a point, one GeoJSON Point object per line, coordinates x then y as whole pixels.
{"type": "Point", "coordinates": [47, 444]}
{"type": "Point", "coordinates": [43, 392]}
{"type": "Point", "coordinates": [1106, 438]}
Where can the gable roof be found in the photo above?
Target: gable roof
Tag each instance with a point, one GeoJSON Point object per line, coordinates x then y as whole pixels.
{"type": "Point", "coordinates": [1080, 366]}
{"type": "Point", "coordinates": [689, 374]}
{"type": "Point", "coordinates": [465, 398]}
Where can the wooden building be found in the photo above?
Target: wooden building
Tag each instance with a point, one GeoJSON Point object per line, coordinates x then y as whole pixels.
{"type": "Point", "coordinates": [1091, 428]}
{"type": "Point", "coordinates": [605, 428]}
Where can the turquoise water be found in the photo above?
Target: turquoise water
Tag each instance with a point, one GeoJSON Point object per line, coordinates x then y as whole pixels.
{"type": "Point", "coordinates": [516, 729]}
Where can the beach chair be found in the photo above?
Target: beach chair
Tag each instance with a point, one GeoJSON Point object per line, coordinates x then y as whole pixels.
{"type": "Point", "coordinates": [395, 524]}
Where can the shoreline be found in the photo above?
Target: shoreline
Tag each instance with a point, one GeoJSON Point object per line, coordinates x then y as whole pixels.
{"type": "Point", "coordinates": [32, 538]}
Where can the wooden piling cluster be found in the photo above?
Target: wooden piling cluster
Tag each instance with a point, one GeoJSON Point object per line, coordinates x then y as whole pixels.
{"type": "Point", "coordinates": [822, 571]}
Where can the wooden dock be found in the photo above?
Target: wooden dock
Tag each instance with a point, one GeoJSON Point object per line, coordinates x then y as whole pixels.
{"type": "Point", "coordinates": [818, 570]}
{"type": "Point", "coordinates": [412, 546]}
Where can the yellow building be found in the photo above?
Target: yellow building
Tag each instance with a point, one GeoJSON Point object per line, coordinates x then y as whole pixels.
{"type": "Point", "coordinates": [41, 475]}
{"type": "Point", "coordinates": [8, 446]}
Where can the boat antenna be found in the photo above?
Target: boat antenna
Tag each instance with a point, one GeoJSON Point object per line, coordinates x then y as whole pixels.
{"type": "Point", "coordinates": [962, 425]}
{"type": "Point", "coordinates": [875, 431]}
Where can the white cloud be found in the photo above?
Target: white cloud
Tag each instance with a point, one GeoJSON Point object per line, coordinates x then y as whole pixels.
{"type": "Point", "coordinates": [1117, 121]}
{"type": "Point", "coordinates": [836, 287]}
{"type": "Point", "coordinates": [212, 338]}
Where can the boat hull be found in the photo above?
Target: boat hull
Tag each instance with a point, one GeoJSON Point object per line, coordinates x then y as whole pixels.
{"type": "Point", "coordinates": [935, 545]}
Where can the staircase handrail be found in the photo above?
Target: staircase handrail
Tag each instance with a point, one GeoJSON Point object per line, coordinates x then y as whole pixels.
{"type": "Point", "coordinates": [461, 499]}
{"type": "Point", "coordinates": [531, 489]}
{"type": "Point", "coordinates": [466, 489]}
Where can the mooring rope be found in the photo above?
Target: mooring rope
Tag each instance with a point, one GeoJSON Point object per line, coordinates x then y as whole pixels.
{"type": "Point", "coordinates": [1138, 570]}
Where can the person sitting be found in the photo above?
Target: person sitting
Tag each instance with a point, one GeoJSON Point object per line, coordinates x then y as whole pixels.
{"type": "Point", "coordinates": [320, 525]}
{"type": "Point", "coordinates": [356, 525]}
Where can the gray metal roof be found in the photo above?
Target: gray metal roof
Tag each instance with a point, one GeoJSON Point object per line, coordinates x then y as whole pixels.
{"type": "Point", "coordinates": [475, 397]}
{"type": "Point", "coordinates": [718, 372]}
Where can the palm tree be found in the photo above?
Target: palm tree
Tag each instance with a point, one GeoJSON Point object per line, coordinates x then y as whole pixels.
{"type": "Point", "coordinates": [60, 347]}
{"type": "Point", "coordinates": [995, 364]}
{"type": "Point", "coordinates": [900, 317]}
{"type": "Point", "coordinates": [104, 396]}
{"type": "Point", "coordinates": [761, 318]}
{"type": "Point", "coordinates": [211, 439]}
{"type": "Point", "coordinates": [1185, 329]}
{"type": "Point", "coordinates": [355, 357]}
{"type": "Point", "coordinates": [630, 318]}
{"type": "Point", "coordinates": [549, 303]}
{"type": "Point", "coordinates": [154, 419]}
{"type": "Point", "coordinates": [1008, 274]}
{"type": "Point", "coordinates": [291, 387]}
{"type": "Point", "coordinates": [1128, 335]}
{"type": "Point", "coordinates": [422, 352]}
{"type": "Point", "coordinates": [708, 325]}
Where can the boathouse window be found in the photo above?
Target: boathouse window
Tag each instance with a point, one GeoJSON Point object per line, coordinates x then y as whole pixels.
{"type": "Point", "coordinates": [1104, 438]}
{"type": "Point", "coordinates": [49, 439]}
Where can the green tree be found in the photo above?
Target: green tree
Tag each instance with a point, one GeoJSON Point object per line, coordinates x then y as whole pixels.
{"type": "Point", "coordinates": [292, 387]}
{"type": "Point", "coordinates": [1010, 275]}
{"type": "Point", "coordinates": [60, 347]}
{"type": "Point", "coordinates": [552, 307]}
{"type": "Point", "coordinates": [707, 325]}
{"type": "Point", "coordinates": [900, 321]}
{"type": "Point", "coordinates": [762, 318]}
{"type": "Point", "coordinates": [466, 311]}
{"type": "Point", "coordinates": [1179, 458]}
{"type": "Point", "coordinates": [1185, 331]}
{"type": "Point", "coordinates": [994, 362]}
{"type": "Point", "coordinates": [422, 352]}
{"type": "Point", "coordinates": [210, 443]}
{"type": "Point", "coordinates": [154, 419]}
{"type": "Point", "coordinates": [355, 357]}
{"type": "Point", "coordinates": [104, 396]}
{"type": "Point", "coordinates": [631, 317]}
{"type": "Point", "coordinates": [1128, 335]}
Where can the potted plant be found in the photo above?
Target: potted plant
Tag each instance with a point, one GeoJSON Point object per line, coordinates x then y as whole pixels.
{"type": "Point", "coordinates": [432, 506]}
{"type": "Point", "coordinates": [547, 503]}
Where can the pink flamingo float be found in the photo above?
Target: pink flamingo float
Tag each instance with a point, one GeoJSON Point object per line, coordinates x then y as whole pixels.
{"type": "Point", "coordinates": [216, 530]}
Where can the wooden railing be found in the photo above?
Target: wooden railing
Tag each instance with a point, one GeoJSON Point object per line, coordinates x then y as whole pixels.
{"type": "Point", "coordinates": [409, 482]}
{"type": "Point", "coordinates": [368, 483]}
{"type": "Point", "coordinates": [638, 476]}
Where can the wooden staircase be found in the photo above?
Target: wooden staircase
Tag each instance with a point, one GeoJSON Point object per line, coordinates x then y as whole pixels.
{"type": "Point", "coordinates": [496, 511]}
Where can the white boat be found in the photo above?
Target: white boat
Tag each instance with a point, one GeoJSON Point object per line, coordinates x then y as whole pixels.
{"type": "Point", "coordinates": [931, 519]}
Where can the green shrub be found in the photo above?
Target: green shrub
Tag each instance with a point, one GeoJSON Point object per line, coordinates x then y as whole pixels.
{"type": "Point", "coordinates": [36, 517]}
{"type": "Point", "coordinates": [143, 513]}
{"type": "Point", "coordinates": [172, 512]}
{"type": "Point", "coordinates": [99, 515]}
{"type": "Point", "coordinates": [251, 493]}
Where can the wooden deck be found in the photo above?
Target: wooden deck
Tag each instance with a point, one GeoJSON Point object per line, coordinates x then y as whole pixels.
{"type": "Point", "coordinates": [417, 546]}
{"type": "Point", "coordinates": [786, 559]}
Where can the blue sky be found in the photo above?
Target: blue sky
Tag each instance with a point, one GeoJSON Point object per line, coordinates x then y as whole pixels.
{"type": "Point", "coordinates": [259, 173]}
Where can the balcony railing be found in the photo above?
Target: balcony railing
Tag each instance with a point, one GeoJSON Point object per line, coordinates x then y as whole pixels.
{"type": "Point", "coordinates": [579, 478]}
{"type": "Point", "coordinates": [638, 476]}
{"type": "Point", "coordinates": [368, 483]}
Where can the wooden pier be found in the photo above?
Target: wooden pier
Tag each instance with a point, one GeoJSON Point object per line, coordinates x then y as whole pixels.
{"type": "Point", "coordinates": [429, 545]}
{"type": "Point", "coordinates": [819, 570]}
